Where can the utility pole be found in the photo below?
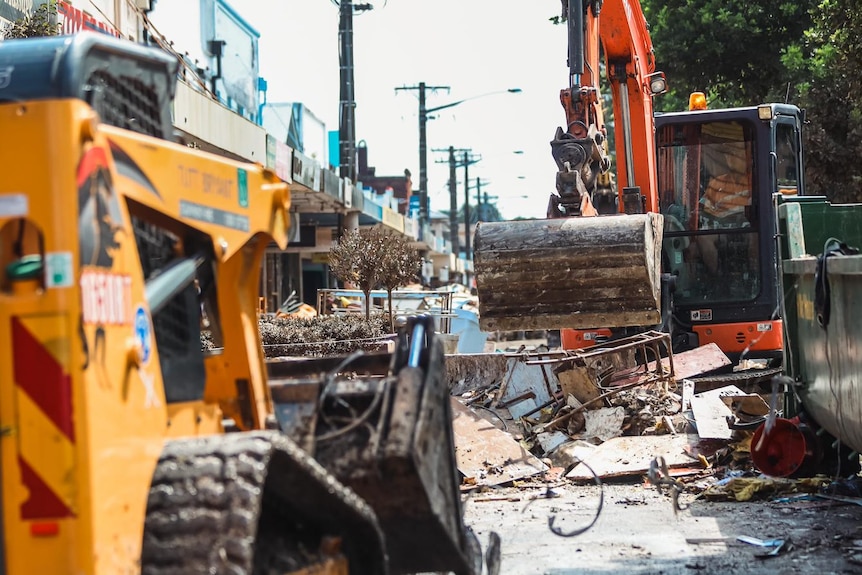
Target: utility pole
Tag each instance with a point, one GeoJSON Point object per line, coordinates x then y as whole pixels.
{"type": "Point", "coordinates": [481, 209]}
{"type": "Point", "coordinates": [486, 202]}
{"type": "Point", "coordinates": [347, 104]}
{"type": "Point", "coordinates": [453, 204]}
{"type": "Point", "coordinates": [453, 197]}
{"type": "Point", "coordinates": [468, 159]}
{"type": "Point", "coordinates": [424, 211]}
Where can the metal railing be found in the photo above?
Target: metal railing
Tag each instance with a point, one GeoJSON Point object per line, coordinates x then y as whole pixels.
{"type": "Point", "coordinates": [437, 304]}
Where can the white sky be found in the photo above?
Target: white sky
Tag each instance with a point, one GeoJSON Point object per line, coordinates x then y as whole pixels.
{"type": "Point", "coordinates": [472, 46]}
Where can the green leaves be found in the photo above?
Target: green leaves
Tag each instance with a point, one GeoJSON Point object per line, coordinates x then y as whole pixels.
{"type": "Point", "coordinates": [746, 53]}
{"type": "Point", "coordinates": [42, 22]}
{"type": "Point", "coordinates": [732, 51]}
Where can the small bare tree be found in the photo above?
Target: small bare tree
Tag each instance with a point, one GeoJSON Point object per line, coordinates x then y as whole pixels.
{"type": "Point", "coordinates": [42, 22]}
{"type": "Point", "coordinates": [372, 257]}
{"type": "Point", "coordinates": [399, 266]}
{"type": "Point", "coordinates": [356, 259]}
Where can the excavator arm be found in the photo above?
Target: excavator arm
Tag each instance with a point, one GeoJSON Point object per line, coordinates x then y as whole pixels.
{"type": "Point", "coordinates": [620, 29]}
{"type": "Point", "coordinates": [570, 271]}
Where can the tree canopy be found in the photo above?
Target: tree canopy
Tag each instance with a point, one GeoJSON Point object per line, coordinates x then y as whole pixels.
{"type": "Point", "coordinates": [745, 53]}
{"type": "Point", "coordinates": [831, 79]}
{"type": "Point", "coordinates": [41, 22]}
{"type": "Point", "coordinates": [372, 257]}
{"type": "Point", "coordinates": [731, 51]}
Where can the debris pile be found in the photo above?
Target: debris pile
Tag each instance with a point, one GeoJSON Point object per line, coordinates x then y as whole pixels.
{"type": "Point", "coordinates": [317, 336]}
{"type": "Point", "coordinates": [626, 409]}
{"type": "Point", "coordinates": [535, 421]}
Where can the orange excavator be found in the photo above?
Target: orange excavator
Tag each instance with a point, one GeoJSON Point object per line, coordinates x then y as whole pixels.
{"type": "Point", "coordinates": [689, 246]}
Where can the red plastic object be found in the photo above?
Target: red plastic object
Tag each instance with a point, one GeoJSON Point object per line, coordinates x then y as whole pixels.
{"type": "Point", "coordinates": [783, 451]}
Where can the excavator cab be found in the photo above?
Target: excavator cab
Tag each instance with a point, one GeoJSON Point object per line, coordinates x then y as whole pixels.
{"type": "Point", "coordinates": [690, 246]}
{"type": "Point", "coordinates": [717, 172]}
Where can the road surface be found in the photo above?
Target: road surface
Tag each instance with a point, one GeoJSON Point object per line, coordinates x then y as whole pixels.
{"type": "Point", "coordinates": [638, 533]}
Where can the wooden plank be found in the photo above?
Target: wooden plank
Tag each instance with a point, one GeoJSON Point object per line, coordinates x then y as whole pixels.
{"type": "Point", "coordinates": [486, 454]}
{"type": "Point", "coordinates": [750, 404]}
{"type": "Point", "coordinates": [578, 381]}
{"type": "Point", "coordinates": [631, 455]}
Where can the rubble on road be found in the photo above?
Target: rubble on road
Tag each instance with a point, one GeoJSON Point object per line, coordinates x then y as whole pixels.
{"type": "Point", "coordinates": [630, 456]}
{"type": "Point", "coordinates": [486, 455]}
{"type": "Point", "coordinates": [601, 413]}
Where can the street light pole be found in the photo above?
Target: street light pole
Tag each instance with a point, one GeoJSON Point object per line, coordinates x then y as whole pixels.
{"type": "Point", "coordinates": [346, 127]}
{"type": "Point", "coordinates": [347, 102]}
{"type": "Point", "coordinates": [424, 211]}
{"type": "Point", "coordinates": [467, 205]}
{"type": "Point", "coordinates": [424, 208]}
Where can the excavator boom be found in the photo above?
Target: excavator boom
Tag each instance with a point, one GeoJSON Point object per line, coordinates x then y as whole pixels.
{"type": "Point", "coordinates": [573, 270]}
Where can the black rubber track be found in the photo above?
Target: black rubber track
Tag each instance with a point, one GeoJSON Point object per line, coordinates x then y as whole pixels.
{"type": "Point", "coordinates": [208, 496]}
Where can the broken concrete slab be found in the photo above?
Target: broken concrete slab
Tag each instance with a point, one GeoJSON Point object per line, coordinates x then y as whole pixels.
{"type": "Point", "coordinates": [604, 423]}
{"type": "Point", "coordinates": [511, 373]}
{"type": "Point", "coordinates": [486, 454]}
{"type": "Point", "coordinates": [631, 455]}
{"type": "Point", "coordinates": [465, 372]}
{"type": "Point", "coordinates": [711, 413]}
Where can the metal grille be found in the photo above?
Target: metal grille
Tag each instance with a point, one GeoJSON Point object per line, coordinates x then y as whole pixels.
{"type": "Point", "coordinates": [125, 102]}
{"type": "Point", "coordinates": [171, 324]}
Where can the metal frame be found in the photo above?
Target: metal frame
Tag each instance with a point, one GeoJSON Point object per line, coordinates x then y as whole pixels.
{"type": "Point", "coordinates": [444, 316]}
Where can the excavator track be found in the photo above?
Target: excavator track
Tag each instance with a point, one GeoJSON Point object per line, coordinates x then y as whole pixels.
{"type": "Point", "coordinates": [254, 503]}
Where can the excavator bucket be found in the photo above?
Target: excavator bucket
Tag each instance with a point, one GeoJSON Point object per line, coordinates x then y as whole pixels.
{"type": "Point", "coordinates": [381, 423]}
{"type": "Point", "coordinates": [576, 272]}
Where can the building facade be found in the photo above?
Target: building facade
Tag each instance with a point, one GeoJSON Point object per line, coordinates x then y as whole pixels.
{"type": "Point", "coordinates": [220, 107]}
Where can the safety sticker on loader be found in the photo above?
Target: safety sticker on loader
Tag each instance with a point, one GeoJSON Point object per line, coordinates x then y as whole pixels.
{"type": "Point", "coordinates": [143, 334]}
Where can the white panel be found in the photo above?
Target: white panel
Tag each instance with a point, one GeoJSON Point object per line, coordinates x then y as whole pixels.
{"type": "Point", "coordinates": [208, 120]}
{"type": "Point", "coordinates": [347, 193]}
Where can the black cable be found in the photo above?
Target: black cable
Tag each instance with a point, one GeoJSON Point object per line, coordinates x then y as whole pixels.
{"type": "Point", "coordinates": [557, 531]}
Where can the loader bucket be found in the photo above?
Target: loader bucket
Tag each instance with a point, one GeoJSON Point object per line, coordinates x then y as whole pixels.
{"type": "Point", "coordinates": [384, 429]}
{"type": "Point", "coordinates": [579, 272]}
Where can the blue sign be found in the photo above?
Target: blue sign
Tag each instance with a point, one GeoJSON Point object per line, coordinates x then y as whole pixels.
{"type": "Point", "coordinates": [413, 206]}
{"type": "Point", "coordinates": [143, 333]}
